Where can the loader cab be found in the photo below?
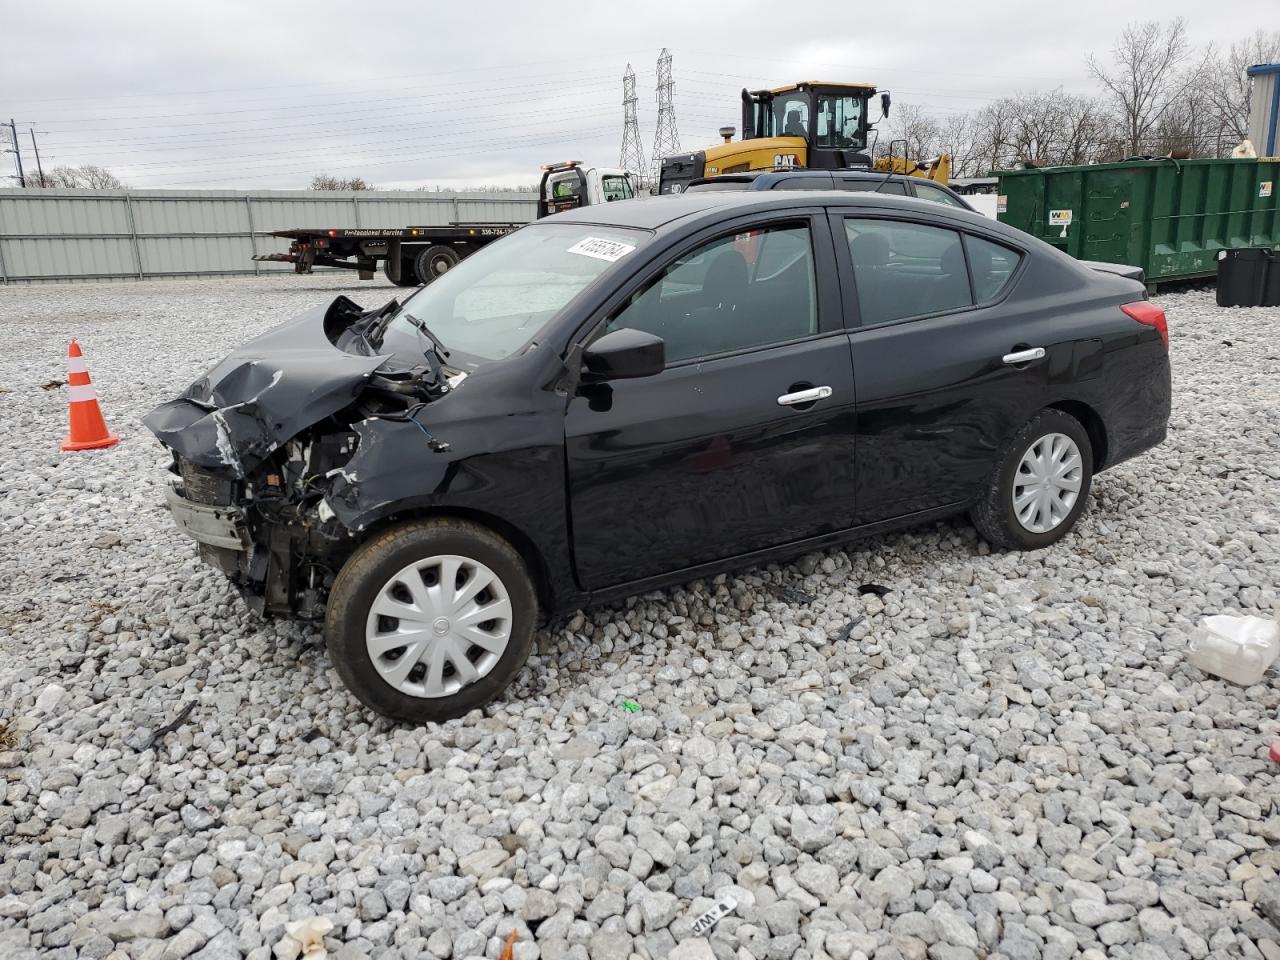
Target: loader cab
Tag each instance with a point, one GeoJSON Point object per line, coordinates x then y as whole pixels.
{"type": "Point", "coordinates": [568, 185]}
{"type": "Point", "coordinates": [833, 120]}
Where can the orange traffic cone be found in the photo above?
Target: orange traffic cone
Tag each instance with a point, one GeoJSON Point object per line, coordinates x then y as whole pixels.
{"type": "Point", "coordinates": [88, 429]}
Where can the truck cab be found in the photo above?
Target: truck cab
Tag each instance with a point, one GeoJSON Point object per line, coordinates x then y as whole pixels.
{"type": "Point", "coordinates": [569, 184]}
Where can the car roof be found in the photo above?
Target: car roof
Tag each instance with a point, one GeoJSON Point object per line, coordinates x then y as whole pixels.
{"type": "Point", "coordinates": [667, 210]}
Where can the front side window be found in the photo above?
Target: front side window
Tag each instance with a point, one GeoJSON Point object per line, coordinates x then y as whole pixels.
{"type": "Point", "coordinates": [616, 188]}
{"type": "Point", "coordinates": [840, 123]}
{"type": "Point", "coordinates": [495, 302]}
{"type": "Point", "coordinates": [906, 269]}
{"type": "Point", "coordinates": [734, 293]}
{"type": "Point", "coordinates": [927, 191]}
{"type": "Point", "coordinates": [791, 116]}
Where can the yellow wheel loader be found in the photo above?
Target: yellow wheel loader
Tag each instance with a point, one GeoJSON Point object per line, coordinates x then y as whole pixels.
{"type": "Point", "coordinates": [821, 126]}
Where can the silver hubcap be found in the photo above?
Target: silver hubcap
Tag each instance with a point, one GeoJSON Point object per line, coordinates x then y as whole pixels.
{"type": "Point", "coordinates": [438, 625]}
{"type": "Point", "coordinates": [1047, 483]}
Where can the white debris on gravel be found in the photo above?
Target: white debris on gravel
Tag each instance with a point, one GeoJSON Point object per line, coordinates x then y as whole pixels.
{"type": "Point", "coordinates": [1008, 754]}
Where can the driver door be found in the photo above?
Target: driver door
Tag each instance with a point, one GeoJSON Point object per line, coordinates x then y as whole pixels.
{"type": "Point", "coordinates": [745, 440]}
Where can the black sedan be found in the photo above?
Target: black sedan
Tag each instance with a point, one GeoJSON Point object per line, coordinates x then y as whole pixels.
{"type": "Point", "coordinates": [641, 393]}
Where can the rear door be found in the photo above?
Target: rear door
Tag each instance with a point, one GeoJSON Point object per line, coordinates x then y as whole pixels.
{"type": "Point", "coordinates": [745, 440]}
{"type": "Point", "coordinates": [944, 366]}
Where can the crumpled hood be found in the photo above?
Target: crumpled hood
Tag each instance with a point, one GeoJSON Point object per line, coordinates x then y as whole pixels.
{"type": "Point", "coordinates": [262, 395]}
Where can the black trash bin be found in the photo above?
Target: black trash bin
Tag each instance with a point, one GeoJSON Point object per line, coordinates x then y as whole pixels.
{"type": "Point", "coordinates": [1249, 277]}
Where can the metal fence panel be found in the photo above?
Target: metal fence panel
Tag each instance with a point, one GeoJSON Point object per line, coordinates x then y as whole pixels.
{"type": "Point", "coordinates": [53, 235]}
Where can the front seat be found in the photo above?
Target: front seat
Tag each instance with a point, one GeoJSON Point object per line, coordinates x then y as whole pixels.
{"type": "Point", "coordinates": [713, 326]}
{"type": "Point", "coordinates": [794, 126]}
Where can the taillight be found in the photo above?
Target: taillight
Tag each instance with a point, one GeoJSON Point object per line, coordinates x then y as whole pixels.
{"type": "Point", "coordinates": [1144, 311]}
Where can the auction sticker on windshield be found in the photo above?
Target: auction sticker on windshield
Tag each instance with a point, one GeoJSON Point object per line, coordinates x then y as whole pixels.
{"type": "Point", "coordinates": [601, 249]}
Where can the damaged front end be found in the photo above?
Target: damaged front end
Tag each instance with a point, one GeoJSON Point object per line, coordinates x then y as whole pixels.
{"type": "Point", "coordinates": [263, 446]}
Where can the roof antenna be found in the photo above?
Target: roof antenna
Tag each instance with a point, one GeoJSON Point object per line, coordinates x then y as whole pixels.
{"type": "Point", "coordinates": [889, 172]}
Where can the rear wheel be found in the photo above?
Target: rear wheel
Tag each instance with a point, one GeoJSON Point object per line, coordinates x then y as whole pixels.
{"type": "Point", "coordinates": [1041, 486]}
{"type": "Point", "coordinates": [431, 619]}
{"type": "Point", "coordinates": [435, 262]}
{"type": "Point", "coordinates": [407, 277]}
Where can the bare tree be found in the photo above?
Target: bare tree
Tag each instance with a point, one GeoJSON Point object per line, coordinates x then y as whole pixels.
{"type": "Point", "coordinates": [325, 181]}
{"type": "Point", "coordinates": [957, 138]}
{"type": "Point", "coordinates": [85, 175]}
{"type": "Point", "coordinates": [1227, 86]}
{"type": "Point", "coordinates": [921, 132]}
{"type": "Point", "coordinates": [1148, 75]}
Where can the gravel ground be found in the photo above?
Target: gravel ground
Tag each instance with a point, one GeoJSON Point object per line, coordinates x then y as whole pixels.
{"type": "Point", "coordinates": [1006, 755]}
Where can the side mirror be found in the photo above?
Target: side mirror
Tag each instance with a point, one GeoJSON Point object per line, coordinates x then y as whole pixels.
{"type": "Point", "coordinates": [884, 104]}
{"type": "Point", "coordinates": [623, 355]}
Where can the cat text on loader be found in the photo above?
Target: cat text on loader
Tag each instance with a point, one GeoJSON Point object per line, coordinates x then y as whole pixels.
{"type": "Point", "coordinates": [821, 126]}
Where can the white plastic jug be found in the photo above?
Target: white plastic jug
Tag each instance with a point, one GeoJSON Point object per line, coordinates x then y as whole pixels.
{"type": "Point", "coordinates": [1239, 649]}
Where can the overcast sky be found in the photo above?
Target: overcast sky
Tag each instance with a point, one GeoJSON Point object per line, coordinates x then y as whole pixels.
{"type": "Point", "coordinates": [265, 95]}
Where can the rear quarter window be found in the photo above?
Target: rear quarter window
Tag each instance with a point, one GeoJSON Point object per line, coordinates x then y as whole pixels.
{"type": "Point", "coordinates": [925, 191]}
{"type": "Point", "coordinates": [991, 265]}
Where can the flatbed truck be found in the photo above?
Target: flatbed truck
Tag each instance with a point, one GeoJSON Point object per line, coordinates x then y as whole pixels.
{"type": "Point", "coordinates": [415, 255]}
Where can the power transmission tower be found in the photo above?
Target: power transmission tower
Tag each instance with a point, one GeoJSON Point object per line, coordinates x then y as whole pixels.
{"type": "Point", "coordinates": [632, 151]}
{"type": "Point", "coordinates": [666, 140]}
{"type": "Point", "coordinates": [17, 150]}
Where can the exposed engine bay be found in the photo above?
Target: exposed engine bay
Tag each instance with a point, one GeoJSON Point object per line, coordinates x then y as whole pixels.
{"type": "Point", "coordinates": [269, 448]}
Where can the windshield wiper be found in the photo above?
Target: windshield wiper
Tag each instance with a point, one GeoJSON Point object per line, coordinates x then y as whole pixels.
{"type": "Point", "coordinates": [381, 319]}
{"type": "Point", "coordinates": [438, 348]}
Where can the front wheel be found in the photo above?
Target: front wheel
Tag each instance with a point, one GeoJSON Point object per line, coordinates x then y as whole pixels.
{"type": "Point", "coordinates": [1040, 487]}
{"type": "Point", "coordinates": [431, 619]}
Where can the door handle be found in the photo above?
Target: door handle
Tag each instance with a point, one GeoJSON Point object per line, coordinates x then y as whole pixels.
{"type": "Point", "coordinates": [1024, 356]}
{"type": "Point", "coordinates": [805, 396]}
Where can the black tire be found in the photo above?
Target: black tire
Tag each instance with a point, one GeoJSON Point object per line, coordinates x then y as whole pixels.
{"type": "Point", "coordinates": [407, 277]}
{"type": "Point", "coordinates": [377, 561]}
{"type": "Point", "coordinates": [994, 514]}
{"type": "Point", "coordinates": [435, 261]}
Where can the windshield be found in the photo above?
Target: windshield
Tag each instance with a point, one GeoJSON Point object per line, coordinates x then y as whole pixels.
{"type": "Point", "coordinates": [495, 302]}
{"type": "Point", "coordinates": [840, 122]}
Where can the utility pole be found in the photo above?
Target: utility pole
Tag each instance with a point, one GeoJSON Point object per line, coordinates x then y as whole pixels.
{"type": "Point", "coordinates": [17, 151]}
{"type": "Point", "coordinates": [632, 151]}
{"type": "Point", "coordinates": [666, 140]}
{"type": "Point", "coordinates": [36, 148]}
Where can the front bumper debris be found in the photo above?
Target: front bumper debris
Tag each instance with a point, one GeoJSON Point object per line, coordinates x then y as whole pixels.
{"type": "Point", "coordinates": [217, 526]}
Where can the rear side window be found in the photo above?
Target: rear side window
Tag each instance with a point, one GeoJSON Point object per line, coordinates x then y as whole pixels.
{"type": "Point", "coordinates": [906, 269]}
{"type": "Point", "coordinates": [991, 266]}
{"type": "Point", "coordinates": [875, 185]}
{"type": "Point", "coordinates": [927, 191]}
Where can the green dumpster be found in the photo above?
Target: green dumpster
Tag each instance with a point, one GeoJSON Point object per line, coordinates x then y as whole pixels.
{"type": "Point", "coordinates": [1170, 217]}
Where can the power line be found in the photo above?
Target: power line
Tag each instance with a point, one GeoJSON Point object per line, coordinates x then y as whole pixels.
{"type": "Point", "coordinates": [470, 152]}
{"type": "Point", "coordinates": [666, 139]}
{"type": "Point", "coordinates": [336, 139]}
{"type": "Point", "coordinates": [632, 156]}
{"type": "Point", "coordinates": [346, 82]}
{"type": "Point", "coordinates": [361, 107]}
